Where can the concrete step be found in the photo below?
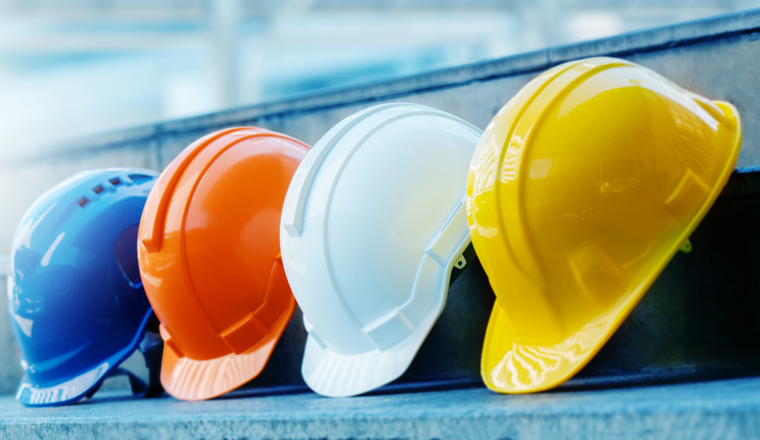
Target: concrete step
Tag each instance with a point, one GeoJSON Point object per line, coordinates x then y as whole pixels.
{"type": "Point", "coordinates": [721, 410]}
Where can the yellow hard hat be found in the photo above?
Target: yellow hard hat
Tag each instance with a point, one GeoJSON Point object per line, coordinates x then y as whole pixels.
{"type": "Point", "coordinates": [580, 191]}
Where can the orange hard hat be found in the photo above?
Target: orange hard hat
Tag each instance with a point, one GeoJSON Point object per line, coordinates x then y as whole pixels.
{"type": "Point", "coordinates": [209, 255]}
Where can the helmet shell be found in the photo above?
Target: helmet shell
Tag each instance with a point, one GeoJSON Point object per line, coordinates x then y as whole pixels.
{"type": "Point", "coordinates": [209, 252]}
{"type": "Point", "coordinates": [372, 225]}
{"type": "Point", "coordinates": [75, 297]}
{"type": "Point", "coordinates": [583, 188]}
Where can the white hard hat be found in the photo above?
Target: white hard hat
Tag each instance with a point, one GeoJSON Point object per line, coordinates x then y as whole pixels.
{"type": "Point", "coordinates": [373, 222]}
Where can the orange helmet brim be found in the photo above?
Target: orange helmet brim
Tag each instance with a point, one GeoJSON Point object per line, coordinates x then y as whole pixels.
{"type": "Point", "coordinates": [191, 379]}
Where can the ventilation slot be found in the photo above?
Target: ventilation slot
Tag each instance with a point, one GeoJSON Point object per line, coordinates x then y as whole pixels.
{"type": "Point", "coordinates": [139, 179]}
{"type": "Point", "coordinates": [98, 189]}
{"type": "Point", "coordinates": [115, 181]}
{"type": "Point", "coordinates": [83, 202]}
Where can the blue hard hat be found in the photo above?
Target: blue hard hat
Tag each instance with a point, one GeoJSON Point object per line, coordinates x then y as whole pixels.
{"type": "Point", "coordinates": [75, 298]}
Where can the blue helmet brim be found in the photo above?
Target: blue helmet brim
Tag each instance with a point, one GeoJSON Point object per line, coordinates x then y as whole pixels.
{"type": "Point", "coordinates": [31, 394]}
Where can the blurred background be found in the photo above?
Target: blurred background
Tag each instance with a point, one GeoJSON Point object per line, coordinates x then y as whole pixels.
{"type": "Point", "coordinates": [74, 68]}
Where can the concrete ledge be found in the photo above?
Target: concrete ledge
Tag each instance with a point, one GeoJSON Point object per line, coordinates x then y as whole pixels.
{"type": "Point", "coordinates": [723, 410]}
{"type": "Point", "coordinates": [5, 261]}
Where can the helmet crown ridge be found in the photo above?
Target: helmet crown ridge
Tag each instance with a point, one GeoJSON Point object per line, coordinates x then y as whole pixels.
{"type": "Point", "coordinates": [152, 227]}
{"type": "Point", "coordinates": [430, 198]}
{"type": "Point", "coordinates": [586, 184]}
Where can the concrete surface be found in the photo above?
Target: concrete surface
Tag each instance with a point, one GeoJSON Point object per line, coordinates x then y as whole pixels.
{"type": "Point", "coordinates": [10, 371]}
{"type": "Point", "coordinates": [716, 57]}
{"type": "Point", "coordinates": [724, 410]}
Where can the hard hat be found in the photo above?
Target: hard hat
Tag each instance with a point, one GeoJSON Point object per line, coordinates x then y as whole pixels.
{"type": "Point", "coordinates": [581, 190]}
{"type": "Point", "coordinates": [372, 225]}
{"type": "Point", "coordinates": [209, 254]}
{"type": "Point", "coordinates": [76, 303]}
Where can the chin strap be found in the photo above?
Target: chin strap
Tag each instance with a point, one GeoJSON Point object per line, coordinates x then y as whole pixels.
{"type": "Point", "coordinates": [139, 387]}
{"type": "Point", "coordinates": [152, 348]}
{"type": "Point", "coordinates": [464, 261]}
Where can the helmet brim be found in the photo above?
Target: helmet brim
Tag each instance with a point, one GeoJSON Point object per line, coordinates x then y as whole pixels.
{"type": "Point", "coordinates": [508, 366]}
{"type": "Point", "coordinates": [341, 375]}
{"type": "Point", "coordinates": [31, 394]}
{"type": "Point", "coordinates": [334, 374]}
{"type": "Point", "coordinates": [193, 380]}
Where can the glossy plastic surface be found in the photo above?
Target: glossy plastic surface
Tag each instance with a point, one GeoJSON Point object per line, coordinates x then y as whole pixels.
{"type": "Point", "coordinates": [75, 298]}
{"type": "Point", "coordinates": [209, 254]}
{"type": "Point", "coordinates": [372, 225]}
{"type": "Point", "coordinates": [582, 189]}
